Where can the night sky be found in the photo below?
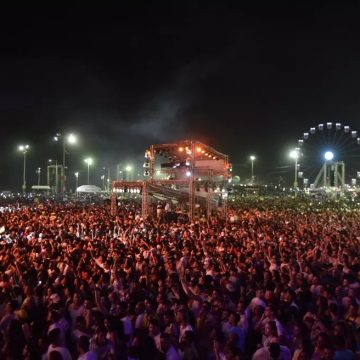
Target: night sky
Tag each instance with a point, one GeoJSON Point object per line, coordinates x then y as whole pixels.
{"type": "Point", "coordinates": [244, 80]}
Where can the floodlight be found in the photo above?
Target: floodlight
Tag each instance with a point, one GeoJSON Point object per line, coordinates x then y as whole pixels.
{"type": "Point", "coordinates": [72, 139]}
{"type": "Point", "coordinates": [294, 154]}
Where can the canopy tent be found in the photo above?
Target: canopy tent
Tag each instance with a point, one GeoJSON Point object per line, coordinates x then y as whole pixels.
{"type": "Point", "coordinates": [88, 189]}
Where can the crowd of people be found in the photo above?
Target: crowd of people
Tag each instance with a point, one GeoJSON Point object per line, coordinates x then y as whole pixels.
{"type": "Point", "coordinates": [270, 282]}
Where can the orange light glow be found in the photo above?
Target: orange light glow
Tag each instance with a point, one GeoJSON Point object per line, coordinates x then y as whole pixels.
{"type": "Point", "coordinates": [181, 149]}
{"type": "Point", "coordinates": [198, 149]}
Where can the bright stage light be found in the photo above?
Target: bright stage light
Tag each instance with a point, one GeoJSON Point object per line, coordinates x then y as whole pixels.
{"type": "Point", "coordinates": [328, 155]}
{"type": "Point", "coordinates": [188, 173]}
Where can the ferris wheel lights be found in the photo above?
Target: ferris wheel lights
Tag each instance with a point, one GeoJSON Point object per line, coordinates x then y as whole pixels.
{"type": "Point", "coordinates": [329, 155]}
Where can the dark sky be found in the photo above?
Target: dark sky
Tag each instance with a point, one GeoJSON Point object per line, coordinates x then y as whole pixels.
{"type": "Point", "coordinates": [245, 80]}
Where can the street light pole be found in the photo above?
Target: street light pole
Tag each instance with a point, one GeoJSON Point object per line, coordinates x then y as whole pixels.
{"type": "Point", "coordinates": [76, 181]}
{"type": "Point", "coordinates": [89, 161]}
{"type": "Point", "coordinates": [294, 154]}
{"type": "Point", "coordinates": [103, 182]}
{"type": "Point", "coordinates": [24, 174]}
{"type": "Point", "coordinates": [56, 175]}
{"type": "Point", "coordinates": [71, 138]}
{"type": "Point", "coordinates": [39, 175]}
{"type": "Point", "coordinates": [296, 174]}
{"type": "Point", "coordinates": [24, 149]}
{"type": "Point", "coordinates": [252, 158]}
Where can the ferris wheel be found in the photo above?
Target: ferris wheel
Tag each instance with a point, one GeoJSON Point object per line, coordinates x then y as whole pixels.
{"type": "Point", "coordinates": [333, 145]}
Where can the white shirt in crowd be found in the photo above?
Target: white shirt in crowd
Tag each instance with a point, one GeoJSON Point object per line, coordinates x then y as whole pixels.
{"type": "Point", "coordinates": [65, 353]}
{"type": "Point", "coordinates": [264, 354]}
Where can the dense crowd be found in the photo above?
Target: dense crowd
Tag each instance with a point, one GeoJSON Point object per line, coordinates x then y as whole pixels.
{"type": "Point", "coordinates": [271, 282]}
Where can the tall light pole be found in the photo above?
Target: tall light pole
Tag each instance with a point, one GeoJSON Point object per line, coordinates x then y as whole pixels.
{"type": "Point", "coordinates": [38, 172]}
{"type": "Point", "coordinates": [252, 159]}
{"type": "Point", "coordinates": [107, 187]}
{"type": "Point", "coordinates": [56, 175]}
{"type": "Point", "coordinates": [66, 139]}
{"type": "Point", "coordinates": [294, 154]}
{"type": "Point", "coordinates": [103, 181]}
{"type": "Point", "coordinates": [76, 181]}
{"type": "Point", "coordinates": [88, 161]}
{"type": "Point", "coordinates": [24, 149]}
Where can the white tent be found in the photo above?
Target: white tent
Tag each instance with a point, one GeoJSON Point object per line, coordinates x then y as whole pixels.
{"type": "Point", "coordinates": [88, 189]}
